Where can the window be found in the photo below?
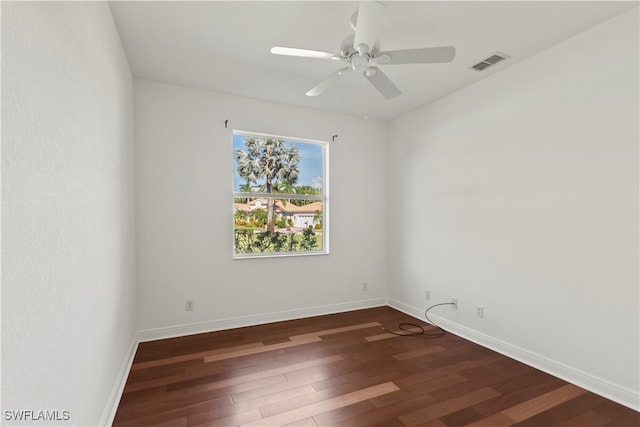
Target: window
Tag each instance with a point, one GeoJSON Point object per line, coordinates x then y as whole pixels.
{"type": "Point", "coordinates": [279, 196]}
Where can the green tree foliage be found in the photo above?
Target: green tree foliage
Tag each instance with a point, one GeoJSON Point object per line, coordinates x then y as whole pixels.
{"type": "Point", "coordinates": [248, 241]}
{"type": "Point", "coordinates": [305, 189]}
{"type": "Point", "coordinates": [240, 217]}
{"type": "Point", "coordinates": [259, 216]}
{"type": "Point", "coordinates": [309, 241]}
{"type": "Point", "coordinates": [317, 218]}
{"type": "Point", "coordinates": [245, 188]}
{"type": "Point", "coordinates": [243, 240]}
{"type": "Point", "coordinates": [269, 159]}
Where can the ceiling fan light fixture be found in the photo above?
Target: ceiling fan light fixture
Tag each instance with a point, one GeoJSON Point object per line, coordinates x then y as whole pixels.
{"type": "Point", "coordinates": [359, 62]}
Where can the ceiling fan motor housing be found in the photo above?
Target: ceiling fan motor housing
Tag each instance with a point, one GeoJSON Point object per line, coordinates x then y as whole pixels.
{"type": "Point", "coordinates": [347, 49]}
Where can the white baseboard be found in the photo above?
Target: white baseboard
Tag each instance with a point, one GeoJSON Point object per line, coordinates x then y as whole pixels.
{"type": "Point", "coordinates": [604, 388]}
{"type": "Point", "coordinates": [239, 322]}
{"type": "Point", "coordinates": [111, 407]}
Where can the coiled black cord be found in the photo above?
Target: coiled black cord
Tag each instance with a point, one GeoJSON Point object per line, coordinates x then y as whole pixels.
{"type": "Point", "coordinates": [420, 332]}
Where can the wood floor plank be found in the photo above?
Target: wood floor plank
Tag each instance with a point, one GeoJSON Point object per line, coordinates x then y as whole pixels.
{"type": "Point", "coordinates": [332, 331]}
{"type": "Point", "coordinates": [171, 403]}
{"type": "Point", "coordinates": [542, 403]}
{"type": "Point", "coordinates": [261, 349]}
{"type": "Point", "coordinates": [344, 413]}
{"type": "Point", "coordinates": [495, 420]}
{"type": "Point", "coordinates": [566, 411]}
{"type": "Point", "coordinates": [417, 353]}
{"type": "Point", "coordinates": [193, 356]}
{"type": "Point", "coordinates": [503, 401]}
{"type": "Point", "coordinates": [307, 422]}
{"type": "Point", "coordinates": [248, 406]}
{"type": "Point", "coordinates": [179, 422]}
{"type": "Point", "coordinates": [416, 381]}
{"type": "Point", "coordinates": [337, 381]}
{"type": "Point", "coordinates": [342, 370]}
{"type": "Point", "coordinates": [209, 419]}
{"type": "Point", "coordinates": [440, 409]}
{"type": "Point", "coordinates": [587, 419]}
{"type": "Point", "coordinates": [525, 380]}
{"type": "Point", "coordinates": [258, 384]}
{"type": "Point", "coordinates": [409, 402]}
{"type": "Point", "coordinates": [326, 405]}
{"type": "Point", "coordinates": [240, 383]}
{"type": "Point", "coordinates": [280, 396]}
{"type": "Point", "coordinates": [430, 387]}
{"type": "Point", "coordinates": [158, 414]}
{"type": "Point", "coordinates": [278, 387]}
{"type": "Point", "coordinates": [619, 415]}
{"type": "Point", "coordinates": [271, 372]}
{"type": "Point", "coordinates": [298, 402]}
{"type": "Point", "coordinates": [495, 372]}
{"type": "Point", "coordinates": [382, 336]}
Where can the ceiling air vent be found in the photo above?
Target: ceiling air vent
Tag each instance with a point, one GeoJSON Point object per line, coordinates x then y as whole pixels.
{"type": "Point", "coordinates": [492, 60]}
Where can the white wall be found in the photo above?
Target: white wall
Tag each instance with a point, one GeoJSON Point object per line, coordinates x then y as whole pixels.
{"type": "Point", "coordinates": [184, 214]}
{"type": "Point", "coordinates": [520, 193]}
{"type": "Point", "coordinates": [68, 290]}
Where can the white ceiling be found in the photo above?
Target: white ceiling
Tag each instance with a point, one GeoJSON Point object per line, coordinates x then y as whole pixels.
{"type": "Point", "coordinates": [225, 45]}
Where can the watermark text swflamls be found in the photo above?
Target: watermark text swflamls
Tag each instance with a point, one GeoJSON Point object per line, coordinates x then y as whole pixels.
{"type": "Point", "coordinates": [36, 415]}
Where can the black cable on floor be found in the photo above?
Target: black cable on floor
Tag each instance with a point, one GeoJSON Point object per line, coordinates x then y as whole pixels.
{"type": "Point", "coordinates": [406, 327]}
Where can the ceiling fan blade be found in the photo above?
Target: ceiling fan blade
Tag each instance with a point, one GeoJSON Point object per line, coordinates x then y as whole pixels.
{"type": "Point", "coordinates": [329, 81]}
{"type": "Point", "coordinates": [381, 82]}
{"type": "Point", "coordinates": [368, 25]}
{"type": "Point", "coordinates": [304, 53]}
{"type": "Point", "coordinates": [427, 55]}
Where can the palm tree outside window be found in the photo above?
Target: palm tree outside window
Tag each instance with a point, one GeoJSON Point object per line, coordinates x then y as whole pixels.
{"type": "Point", "coordinates": [279, 196]}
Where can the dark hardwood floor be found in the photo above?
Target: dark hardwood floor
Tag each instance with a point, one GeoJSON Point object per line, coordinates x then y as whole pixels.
{"type": "Point", "coordinates": [344, 370]}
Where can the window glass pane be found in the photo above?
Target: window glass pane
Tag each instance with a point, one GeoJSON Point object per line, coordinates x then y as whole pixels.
{"type": "Point", "coordinates": [278, 196]}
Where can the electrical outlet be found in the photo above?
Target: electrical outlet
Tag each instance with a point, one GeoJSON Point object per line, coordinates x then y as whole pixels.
{"type": "Point", "coordinates": [188, 305]}
{"type": "Point", "coordinates": [454, 303]}
{"type": "Point", "coordinates": [365, 286]}
{"type": "Point", "coordinates": [427, 295]}
{"type": "Point", "coordinates": [479, 311]}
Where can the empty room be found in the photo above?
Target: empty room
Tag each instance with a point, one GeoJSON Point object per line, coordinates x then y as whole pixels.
{"type": "Point", "coordinates": [319, 213]}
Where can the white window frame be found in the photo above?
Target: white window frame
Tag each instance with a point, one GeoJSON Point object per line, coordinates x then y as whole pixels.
{"type": "Point", "coordinates": [324, 198]}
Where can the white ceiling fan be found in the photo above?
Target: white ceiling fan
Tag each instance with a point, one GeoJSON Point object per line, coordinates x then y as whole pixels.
{"type": "Point", "coordinates": [361, 51]}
